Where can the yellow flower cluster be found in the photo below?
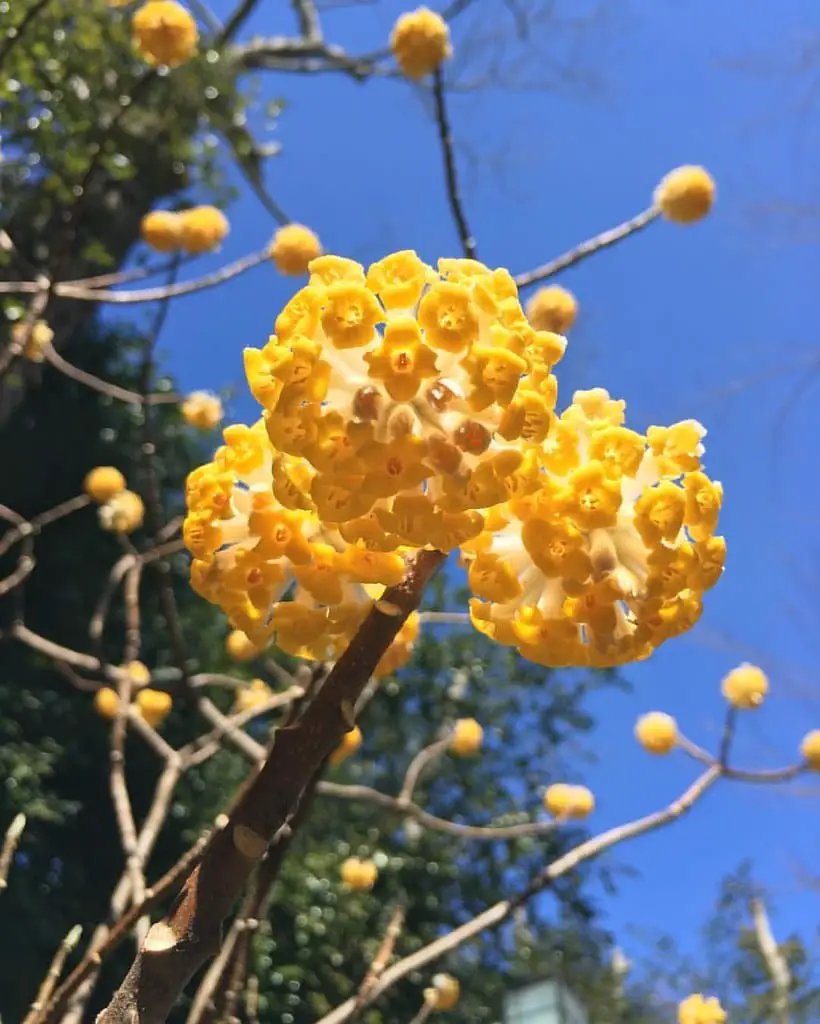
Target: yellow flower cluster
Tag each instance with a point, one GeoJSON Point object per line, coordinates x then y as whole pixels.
{"type": "Point", "coordinates": [164, 33]}
{"type": "Point", "coordinates": [745, 687]}
{"type": "Point", "coordinates": [292, 249]}
{"type": "Point", "coordinates": [407, 408]}
{"type": "Point", "coordinates": [255, 695]}
{"type": "Point", "coordinates": [467, 738]}
{"type": "Point", "coordinates": [34, 339]}
{"type": "Point", "coordinates": [657, 732]}
{"type": "Point", "coordinates": [444, 993]}
{"type": "Point", "coordinates": [552, 308]}
{"type": "Point", "coordinates": [120, 511]}
{"type": "Point", "coordinates": [420, 42]}
{"type": "Point", "coordinates": [153, 706]}
{"type": "Point", "coordinates": [564, 801]}
{"type": "Point", "coordinates": [699, 1010]}
{"type": "Point", "coordinates": [686, 194]}
{"type": "Point", "coordinates": [193, 231]}
{"type": "Point", "coordinates": [359, 874]}
{"type": "Point", "coordinates": [810, 750]}
{"type": "Point", "coordinates": [202, 410]}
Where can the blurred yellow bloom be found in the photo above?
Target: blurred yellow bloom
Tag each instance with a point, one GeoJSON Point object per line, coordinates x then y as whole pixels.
{"type": "Point", "coordinates": [165, 33]}
{"type": "Point", "coordinates": [102, 483]}
{"type": "Point", "coordinates": [202, 410]}
{"type": "Point", "coordinates": [161, 229]}
{"type": "Point", "coordinates": [686, 194]}
{"type": "Point", "coordinates": [699, 1010]}
{"type": "Point", "coordinates": [565, 802]}
{"type": "Point", "coordinates": [467, 737]}
{"type": "Point", "coordinates": [359, 874]}
{"type": "Point", "coordinates": [202, 228]}
{"type": "Point", "coordinates": [657, 732]}
{"type": "Point", "coordinates": [154, 706]}
{"type": "Point", "coordinates": [122, 513]}
{"type": "Point", "coordinates": [745, 687]}
{"type": "Point", "coordinates": [292, 249]}
{"type": "Point", "coordinates": [552, 308]}
{"type": "Point", "coordinates": [420, 42]}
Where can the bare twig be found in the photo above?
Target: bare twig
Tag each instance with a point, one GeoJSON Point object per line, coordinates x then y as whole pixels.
{"type": "Point", "coordinates": [10, 843]}
{"type": "Point", "coordinates": [53, 975]}
{"type": "Point", "coordinates": [382, 959]}
{"type": "Point", "coordinates": [424, 1013]}
{"type": "Point", "coordinates": [119, 789]}
{"type": "Point", "coordinates": [424, 757]}
{"type": "Point", "coordinates": [131, 597]}
{"type": "Point", "coordinates": [190, 934]}
{"type": "Point", "coordinates": [592, 245]}
{"type": "Point", "coordinates": [776, 964]}
{"type": "Point", "coordinates": [453, 193]}
{"type": "Point", "coordinates": [495, 915]}
{"type": "Point", "coordinates": [103, 386]}
{"type": "Point", "coordinates": [41, 288]}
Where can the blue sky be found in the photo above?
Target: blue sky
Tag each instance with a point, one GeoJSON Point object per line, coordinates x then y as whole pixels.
{"type": "Point", "coordinates": [674, 321]}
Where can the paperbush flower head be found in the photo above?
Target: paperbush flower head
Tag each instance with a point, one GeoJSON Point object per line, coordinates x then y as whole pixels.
{"type": "Point", "coordinates": [254, 695]}
{"type": "Point", "coordinates": [420, 42]}
{"type": "Point", "coordinates": [106, 702]}
{"type": "Point", "coordinates": [564, 801]}
{"type": "Point", "coordinates": [202, 228]}
{"type": "Point", "coordinates": [138, 674]}
{"type": "Point", "coordinates": [164, 33]}
{"type": "Point", "coordinates": [444, 992]}
{"type": "Point", "coordinates": [606, 551]}
{"type": "Point", "coordinates": [656, 732]}
{"type": "Point", "coordinates": [810, 749]}
{"type": "Point", "coordinates": [34, 338]}
{"type": "Point", "coordinates": [292, 249]}
{"type": "Point", "coordinates": [400, 650]}
{"type": "Point", "coordinates": [745, 687]}
{"type": "Point", "coordinates": [102, 483]}
{"type": "Point", "coordinates": [154, 706]}
{"type": "Point", "coordinates": [161, 229]}
{"type": "Point", "coordinates": [467, 737]}
{"type": "Point", "coordinates": [685, 195]}
{"type": "Point", "coordinates": [239, 647]}
{"type": "Point", "coordinates": [202, 410]}
{"type": "Point", "coordinates": [699, 1010]}
{"type": "Point", "coordinates": [359, 874]}
{"type": "Point", "coordinates": [552, 308]}
{"type": "Point", "coordinates": [351, 741]}
{"type": "Point", "coordinates": [123, 513]}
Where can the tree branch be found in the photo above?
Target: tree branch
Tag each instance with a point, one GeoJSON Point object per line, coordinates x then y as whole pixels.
{"type": "Point", "coordinates": [453, 193]}
{"type": "Point", "coordinates": [776, 964]}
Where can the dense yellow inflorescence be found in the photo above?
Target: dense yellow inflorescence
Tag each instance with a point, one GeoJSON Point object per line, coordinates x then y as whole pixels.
{"type": "Point", "coordinates": [405, 407]}
{"type": "Point", "coordinates": [102, 483]}
{"type": "Point", "coordinates": [202, 228]}
{"type": "Point", "coordinates": [745, 687]}
{"type": "Point", "coordinates": [810, 750]}
{"type": "Point", "coordinates": [657, 732]}
{"type": "Point", "coordinates": [566, 802]}
{"type": "Point", "coordinates": [420, 42]}
{"type": "Point", "coordinates": [552, 308]}
{"type": "Point", "coordinates": [161, 229]}
{"type": "Point", "coordinates": [293, 248]}
{"type": "Point", "coordinates": [467, 737]}
{"type": "Point", "coordinates": [359, 874]}
{"type": "Point", "coordinates": [686, 194]}
{"type": "Point", "coordinates": [444, 993]}
{"type": "Point", "coordinates": [697, 1009]}
{"type": "Point", "coordinates": [164, 33]}
{"type": "Point", "coordinates": [202, 410]}
{"type": "Point", "coordinates": [122, 513]}
{"type": "Point", "coordinates": [34, 339]}
{"type": "Point", "coordinates": [255, 695]}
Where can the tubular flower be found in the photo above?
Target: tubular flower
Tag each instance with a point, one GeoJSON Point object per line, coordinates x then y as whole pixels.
{"type": "Point", "coordinates": [607, 548]}
{"type": "Point", "coordinates": [138, 674]}
{"type": "Point", "coordinates": [810, 750]}
{"type": "Point", "coordinates": [292, 249]}
{"type": "Point", "coordinates": [564, 802]}
{"type": "Point", "coordinates": [161, 230]}
{"type": "Point", "coordinates": [467, 737]}
{"type": "Point", "coordinates": [256, 694]}
{"type": "Point", "coordinates": [657, 732]}
{"type": "Point", "coordinates": [400, 650]}
{"type": "Point", "coordinates": [685, 195]}
{"type": "Point", "coordinates": [164, 33]}
{"type": "Point", "coordinates": [202, 228]}
{"type": "Point", "coordinates": [420, 42]}
{"type": "Point", "coordinates": [102, 483]}
{"type": "Point", "coordinates": [745, 687]}
{"type": "Point", "coordinates": [202, 410]}
{"type": "Point", "coordinates": [239, 647]}
{"type": "Point", "coordinates": [444, 993]}
{"type": "Point", "coordinates": [359, 874]}
{"type": "Point", "coordinates": [106, 702]}
{"type": "Point", "coordinates": [351, 741]}
{"type": "Point", "coordinates": [154, 706]}
{"type": "Point", "coordinates": [699, 1010]}
{"type": "Point", "coordinates": [122, 513]}
{"type": "Point", "coordinates": [34, 339]}
{"type": "Point", "coordinates": [552, 309]}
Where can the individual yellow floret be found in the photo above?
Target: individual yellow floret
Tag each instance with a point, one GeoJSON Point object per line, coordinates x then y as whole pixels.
{"type": "Point", "coordinates": [685, 195]}
{"type": "Point", "coordinates": [34, 339]}
{"type": "Point", "coordinates": [466, 738]}
{"type": "Point", "coordinates": [359, 874]}
{"type": "Point", "coordinates": [164, 33]}
{"type": "Point", "coordinates": [102, 483]}
{"type": "Point", "coordinates": [552, 308]}
{"type": "Point", "coordinates": [657, 732]}
{"type": "Point", "coordinates": [138, 674]}
{"type": "Point", "coordinates": [420, 42]}
{"type": "Point", "coordinates": [351, 741]}
{"type": "Point", "coordinates": [444, 993]}
{"type": "Point", "coordinates": [106, 702]}
{"type": "Point", "coordinates": [202, 228]}
{"type": "Point", "coordinates": [123, 513]}
{"type": "Point", "coordinates": [699, 1010]}
{"type": "Point", "coordinates": [154, 706]}
{"type": "Point", "coordinates": [564, 802]}
{"type": "Point", "coordinates": [293, 248]}
{"type": "Point", "coordinates": [810, 749]}
{"type": "Point", "coordinates": [256, 694]}
{"type": "Point", "coordinates": [745, 687]}
{"type": "Point", "coordinates": [240, 647]}
{"type": "Point", "coordinates": [202, 410]}
{"type": "Point", "coordinates": [161, 229]}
